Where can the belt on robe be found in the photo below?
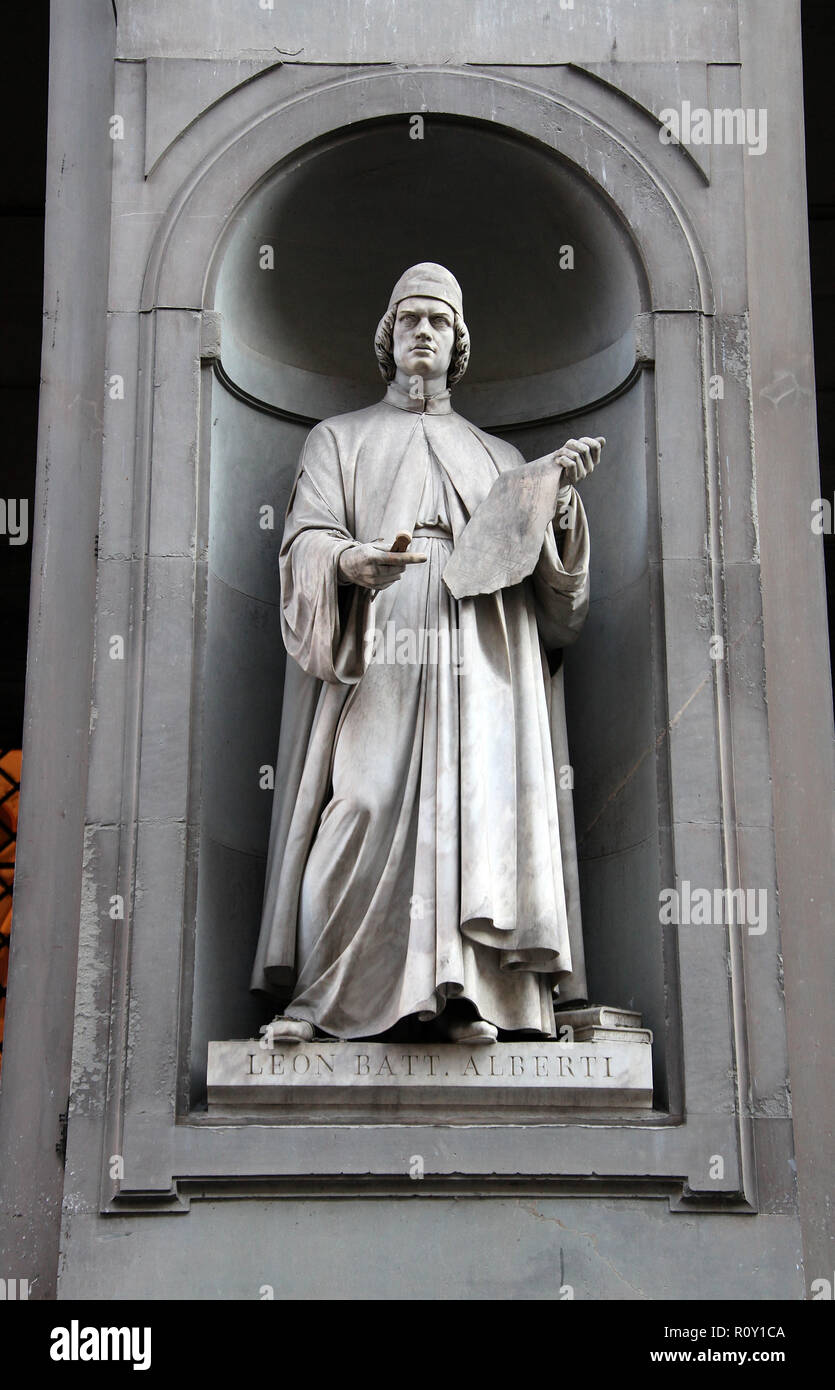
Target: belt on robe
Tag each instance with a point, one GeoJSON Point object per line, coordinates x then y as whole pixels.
{"type": "Point", "coordinates": [442, 533]}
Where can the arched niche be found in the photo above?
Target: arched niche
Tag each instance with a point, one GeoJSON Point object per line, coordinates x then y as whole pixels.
{"type": "Point", "coordinates": [557, 350]}
{"type": "Point", "coordinates": [306, 266]}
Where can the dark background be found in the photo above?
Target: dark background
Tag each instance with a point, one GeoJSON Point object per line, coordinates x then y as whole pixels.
{"type": "Point", "coordinates": [818, 30]}
{"type": "Point", "coordinates": [22, 177]}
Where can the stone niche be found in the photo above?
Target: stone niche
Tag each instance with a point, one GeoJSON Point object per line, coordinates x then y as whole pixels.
{"type": "Point", "coordinates": [233, 364]}
{"type": "Point", "coordinates": [554, 293]}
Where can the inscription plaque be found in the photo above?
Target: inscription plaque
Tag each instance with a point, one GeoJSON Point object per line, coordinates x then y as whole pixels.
{"type": "Point", "coordinates": [244, 1074]}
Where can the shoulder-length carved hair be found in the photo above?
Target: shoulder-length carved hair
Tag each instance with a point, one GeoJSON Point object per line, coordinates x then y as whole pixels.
{"type": "Point", "coordinates": [384, 347]}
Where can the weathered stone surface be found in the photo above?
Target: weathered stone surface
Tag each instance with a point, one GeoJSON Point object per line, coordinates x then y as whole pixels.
{"type": "Point", "coordinates": [244, 1074]}
{"type": "Point", "coordinates": [438, 1247]}
{"type": "Point", "coordinates": [480, 31]}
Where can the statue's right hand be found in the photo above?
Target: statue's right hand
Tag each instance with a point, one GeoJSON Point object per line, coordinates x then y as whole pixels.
{"type": "Point", "coordinates": [372, 567]}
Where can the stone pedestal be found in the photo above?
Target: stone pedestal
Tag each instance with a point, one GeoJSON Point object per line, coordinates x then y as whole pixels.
{"type": "Point", "coordinates": [616, 1073]}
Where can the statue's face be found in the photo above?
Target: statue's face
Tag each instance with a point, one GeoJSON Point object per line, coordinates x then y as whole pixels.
{"type": "Point", "coordinates": [424, 336]}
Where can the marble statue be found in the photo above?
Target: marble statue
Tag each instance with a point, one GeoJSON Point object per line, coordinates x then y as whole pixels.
{"type": "Point", "coordinates": [422, 863]}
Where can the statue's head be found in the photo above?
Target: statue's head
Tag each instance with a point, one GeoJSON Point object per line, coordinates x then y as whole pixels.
{"type": "Point", "coordinates": [423, 330]}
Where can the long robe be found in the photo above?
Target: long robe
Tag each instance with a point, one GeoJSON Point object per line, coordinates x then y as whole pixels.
{"type": "Point", "coordinates": [422, 842]}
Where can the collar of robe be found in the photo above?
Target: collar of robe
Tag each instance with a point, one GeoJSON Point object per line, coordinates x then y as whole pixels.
{"type": "Point", "coordinates": [418, 405]}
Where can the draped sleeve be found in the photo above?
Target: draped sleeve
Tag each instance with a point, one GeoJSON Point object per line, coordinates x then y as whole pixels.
{"type": "Point", "coordinates": [561, 576]}
{"type": "Point", "coordinates": [324, 623]}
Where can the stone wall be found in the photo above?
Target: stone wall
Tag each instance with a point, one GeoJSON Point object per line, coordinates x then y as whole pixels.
{"type": "Point", "coordinates": [208, 131]}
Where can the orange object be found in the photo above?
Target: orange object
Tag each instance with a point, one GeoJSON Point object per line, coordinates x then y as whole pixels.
{"type": "Point", "coordinates": [10, 763]}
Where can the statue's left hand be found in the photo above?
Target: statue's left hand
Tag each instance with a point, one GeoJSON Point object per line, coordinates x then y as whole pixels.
{"type": "Point", "coordinates": [579, 457]}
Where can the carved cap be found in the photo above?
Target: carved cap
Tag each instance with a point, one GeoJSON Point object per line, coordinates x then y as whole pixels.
{"type": "Point", "coordinates": [428, 281]}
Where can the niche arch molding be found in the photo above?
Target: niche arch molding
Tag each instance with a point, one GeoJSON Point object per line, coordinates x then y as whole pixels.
{"type": "Point", "coordinates": [180, 263]}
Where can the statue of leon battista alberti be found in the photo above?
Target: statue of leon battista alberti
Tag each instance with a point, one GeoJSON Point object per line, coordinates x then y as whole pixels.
{"type": "Point", "coordinates": [422, 862]}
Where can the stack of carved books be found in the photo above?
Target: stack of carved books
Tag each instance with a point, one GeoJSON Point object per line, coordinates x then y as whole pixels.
{"type": "Point", "coordinates": [600, 1023]}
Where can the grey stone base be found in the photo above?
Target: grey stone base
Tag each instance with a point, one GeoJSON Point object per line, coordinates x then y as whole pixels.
{"type": "Point", "coordinates": [595, 1074]}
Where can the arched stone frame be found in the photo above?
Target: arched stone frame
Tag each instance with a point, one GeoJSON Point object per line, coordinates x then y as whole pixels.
{"type": "Point", "coordinates": [159, 1153]}
{"type": "Point", "coordinates": [293, 350]}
